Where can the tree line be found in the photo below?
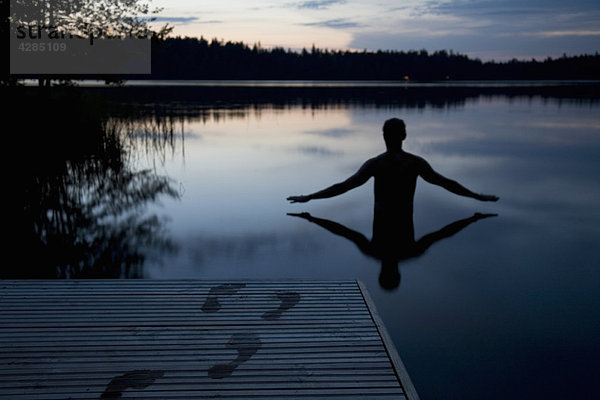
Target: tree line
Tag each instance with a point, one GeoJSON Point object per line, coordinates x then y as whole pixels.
{"type": "Point", "coordinates": [198, 58]}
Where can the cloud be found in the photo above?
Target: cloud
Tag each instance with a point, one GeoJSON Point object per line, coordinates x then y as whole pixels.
{"type": "Point", "coordinates": [318, 151]}
{"type": "Point", "coordinates": [479, 8]}
{"type": "Point", "coordinates": [511, 15]}
{"type": "Point", "coordinates": [185, 20]}
{"type": "Point", "coordinates": [339, 23]}
{"type": "Point", "coordinates": [493, 9]}
{"type": "Point", "coordinates": [550, 34]}
{"type": "Point", "coordinates": [318, 4]}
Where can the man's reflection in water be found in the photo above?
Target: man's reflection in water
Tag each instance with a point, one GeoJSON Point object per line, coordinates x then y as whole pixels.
{"type": "Point", "coordinates": [393, 239]}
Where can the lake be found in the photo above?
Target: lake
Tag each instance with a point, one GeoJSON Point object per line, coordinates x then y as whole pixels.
{"type": "Point", "coordinates": [192, 183]}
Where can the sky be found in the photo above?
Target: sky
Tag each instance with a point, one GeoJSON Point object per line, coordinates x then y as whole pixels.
{"type": "Point", "coordinates": [485, 29]}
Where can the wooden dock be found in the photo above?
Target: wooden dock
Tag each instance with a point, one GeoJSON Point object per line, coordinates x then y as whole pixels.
{"type": "Point", "coordinates": [189, 339]}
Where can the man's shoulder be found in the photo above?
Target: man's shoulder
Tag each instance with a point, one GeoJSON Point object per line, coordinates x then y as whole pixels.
{"type": "Point", "coordinates": [377, 158]}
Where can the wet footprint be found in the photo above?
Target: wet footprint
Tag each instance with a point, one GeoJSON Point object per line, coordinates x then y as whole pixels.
{"type": "Point", "coordinates": [139, 379]}
{"type": "Point", "coordinates": [211, 304]}
{"type": "Point", "coordinates": [288, 300]}
{"type": "Point", "coordinates": [246, 344]}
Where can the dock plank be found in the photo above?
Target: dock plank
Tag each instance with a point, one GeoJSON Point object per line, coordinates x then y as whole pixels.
{"type": "Point", "coordinates": [184, 339]}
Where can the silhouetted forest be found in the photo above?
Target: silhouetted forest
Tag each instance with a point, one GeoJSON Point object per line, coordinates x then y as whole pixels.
{"type": "Point", "coordinates": [193, 58]}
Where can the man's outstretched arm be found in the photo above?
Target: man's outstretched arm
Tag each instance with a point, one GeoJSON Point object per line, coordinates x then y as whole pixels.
{"type": "Point", "coordinates": [359, 178]}
{"type": "Point", "coordinates": [426, 241]}
{"type": "Point", "coordinates": [356, 237]}
{"type": "Point", "coordinates": [431, 176]}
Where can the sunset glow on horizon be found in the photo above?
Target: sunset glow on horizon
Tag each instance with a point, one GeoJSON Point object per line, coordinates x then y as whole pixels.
{"type": "Point", "coordinates": [483, 29]}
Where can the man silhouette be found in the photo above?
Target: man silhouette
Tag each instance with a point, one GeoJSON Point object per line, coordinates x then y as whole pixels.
{"type": "Point", "coordinates": [395, 173]}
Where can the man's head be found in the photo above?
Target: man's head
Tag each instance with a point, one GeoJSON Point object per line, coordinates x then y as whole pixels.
{"type": "Point", "coordinates": [389, 276]}
{"type": "Point", "coordinates": [394, 133]}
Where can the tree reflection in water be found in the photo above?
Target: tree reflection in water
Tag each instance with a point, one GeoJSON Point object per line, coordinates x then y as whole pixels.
{"type": "Point", "coordinates": [84, 204]}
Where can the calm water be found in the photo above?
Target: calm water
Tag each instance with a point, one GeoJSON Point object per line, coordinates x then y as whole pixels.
{"type": "Point", "coordinates": [506, 306]}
